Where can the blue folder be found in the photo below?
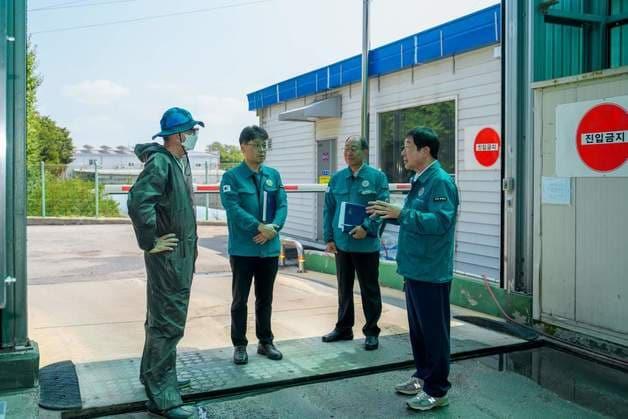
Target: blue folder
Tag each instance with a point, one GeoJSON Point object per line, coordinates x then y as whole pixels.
{"type": "Point", "coordinates": [351, 215]}
{"type": "Point", "coordinates": [269, 207]}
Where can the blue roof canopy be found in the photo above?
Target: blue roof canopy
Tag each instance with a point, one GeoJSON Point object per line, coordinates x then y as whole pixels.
{"type": "Point", "coordinates": [466, 33]}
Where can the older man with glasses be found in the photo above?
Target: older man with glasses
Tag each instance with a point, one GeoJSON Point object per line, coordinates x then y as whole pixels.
{"type": "Point", "coordinates": [356, 247]}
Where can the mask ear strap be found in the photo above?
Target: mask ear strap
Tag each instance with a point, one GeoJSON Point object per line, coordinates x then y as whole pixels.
{"type": "Point", "coordinates": [188, 169]}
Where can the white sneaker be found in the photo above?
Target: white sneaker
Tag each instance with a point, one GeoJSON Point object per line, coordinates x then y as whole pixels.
{"type": "Point", "coordinates": [410, 387]}
{"type": "Point", "coordinates": [424, 401]}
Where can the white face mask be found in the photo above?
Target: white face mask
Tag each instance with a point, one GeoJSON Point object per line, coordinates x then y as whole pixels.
{"type": "Point", "coordinates": [190, 141]}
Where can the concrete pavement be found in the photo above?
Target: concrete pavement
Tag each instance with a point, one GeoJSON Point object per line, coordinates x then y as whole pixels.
{"type": "Point", "coordinates": [87, 296]}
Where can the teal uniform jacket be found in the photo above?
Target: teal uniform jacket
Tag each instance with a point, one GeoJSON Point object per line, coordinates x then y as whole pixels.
{"type": "Point", "coordinates": [427, 225]}
{"type": "Point", "coordinates": [369, 184]}
{"type": "Point", "coordinates": [242, 193]}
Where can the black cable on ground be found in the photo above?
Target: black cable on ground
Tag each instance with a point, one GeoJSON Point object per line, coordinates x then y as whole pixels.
{"type": "Point", "coordinates": [559, 343]}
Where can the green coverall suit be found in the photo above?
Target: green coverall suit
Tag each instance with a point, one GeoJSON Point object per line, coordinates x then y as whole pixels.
{"type": "Point", "coordinates": [160, 202]}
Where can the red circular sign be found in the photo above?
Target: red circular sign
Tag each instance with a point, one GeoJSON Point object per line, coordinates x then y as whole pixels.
{"type": "Point", "coordinates": [486, 147]}
{"type": "Point", "coordinates": [602, 137]}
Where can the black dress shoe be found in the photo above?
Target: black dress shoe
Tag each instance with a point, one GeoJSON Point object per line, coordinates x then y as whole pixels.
{"type": "Point", "coordinates": [240, 356]}
{"type": "Point", "coordinates": [269, 351]}
{"type": "Point", "coordinates": [336, 335]}
{"type": "Point", "coordinates": [371, 343]}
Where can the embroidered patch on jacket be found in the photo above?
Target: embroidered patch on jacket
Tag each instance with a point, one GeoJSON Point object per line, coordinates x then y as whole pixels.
{"type": "Point", "coordinates": [269, 182]}
{"type": "Point", "coordinates": [365, 183]}
{"type": "Point", "coordinates": [421, 191]}
{"type": "Point", "coordinates": [226, 188]}
{"type": "Point", "coordinates": [440, 198]}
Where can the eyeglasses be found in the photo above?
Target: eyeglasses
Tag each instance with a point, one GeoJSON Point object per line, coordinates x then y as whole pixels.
{"type": "Point", "coordinates": [258, 145]}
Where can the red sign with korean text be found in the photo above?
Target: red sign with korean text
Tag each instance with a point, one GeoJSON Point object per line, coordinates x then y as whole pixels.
{"type": "Point", "coordinates": [487, 147]}
{"type": "Point", "coordinates": [602, 137]}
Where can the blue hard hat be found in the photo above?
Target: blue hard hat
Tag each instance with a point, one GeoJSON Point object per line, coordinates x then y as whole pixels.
{"type": "Point", "coordinates": [176, 120]}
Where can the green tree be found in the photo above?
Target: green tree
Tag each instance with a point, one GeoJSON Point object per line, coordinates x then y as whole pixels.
{"type": "Point", "coordinates": [55, 143]}
{"type": "Point", "coordinates": [52, 144]}
{"type": "Point", "coordinates": [33, 81]}
{"type": "Point", "coordinates": [45, 140]}
{"type": "Point", "coordinates": [229, 154]}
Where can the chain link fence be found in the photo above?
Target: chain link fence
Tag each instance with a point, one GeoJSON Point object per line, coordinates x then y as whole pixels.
{"type": "Point", "coordinates": [58, 190]}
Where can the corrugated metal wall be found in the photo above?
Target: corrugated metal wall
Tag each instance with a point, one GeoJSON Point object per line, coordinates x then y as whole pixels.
{"type": "Point", "coordinates": [472, 79]}
{"type": "Point", "coordinates": [583, 264]}
{"type": "Point", "coordinates": [561, 50]}
{"type": "Point", "coordinates": [619, 36]}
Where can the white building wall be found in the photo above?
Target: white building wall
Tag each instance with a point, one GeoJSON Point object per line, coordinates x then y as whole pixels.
{"type": "Point", "coordinates": [472, 79]}
{"type": "Point", "coordinates": [292, 153]}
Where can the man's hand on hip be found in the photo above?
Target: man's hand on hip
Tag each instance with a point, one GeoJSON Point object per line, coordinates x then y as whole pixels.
{"type": "Point", "coordinates": [166, 243]}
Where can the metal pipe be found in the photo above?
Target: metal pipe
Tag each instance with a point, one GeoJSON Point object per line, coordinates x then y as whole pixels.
{"type": "Point", "coordinates": [300, 253]}
{"type": "Point", "coordinates": [364, 123]}
{"type": "Point", "coordinates": [42, 166]}
{"type": "Point", "coordinates": [96, 191]}
{"type": "Point", "coordinates": [282, 255]}
{"type": "Point", "coordinates": [15, 324]}
{"type": "Point", "coordinates": [4, 146]}
{"type": "Point", "coordinates": [206, 196]}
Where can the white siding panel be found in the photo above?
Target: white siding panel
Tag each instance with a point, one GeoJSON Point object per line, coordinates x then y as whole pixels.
{"type": "Point", "coordinates": [473, 80]}
{"type": "Point", "coordinates": [488, 240]}
{"type": "Point", "coordinates": [291, 142]}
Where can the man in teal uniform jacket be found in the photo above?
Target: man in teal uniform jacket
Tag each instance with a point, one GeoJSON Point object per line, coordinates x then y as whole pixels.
{"type": "Point", "coordinates": [427, 224]}
{"type": "Point", "coordinates": [357, 248]}
{"type": "Point", "coordinates": [256, 204]}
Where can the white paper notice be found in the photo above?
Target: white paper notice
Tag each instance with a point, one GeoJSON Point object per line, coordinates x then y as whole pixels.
{"type": "Point", "coordinates": [556, 190]}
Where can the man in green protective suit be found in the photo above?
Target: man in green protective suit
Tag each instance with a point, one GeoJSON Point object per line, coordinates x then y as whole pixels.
{"type": "Point", "coordinates": [161, 209]}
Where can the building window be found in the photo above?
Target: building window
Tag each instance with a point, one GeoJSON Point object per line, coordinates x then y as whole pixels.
{"type": "Point", "coordinates": [394, 125]}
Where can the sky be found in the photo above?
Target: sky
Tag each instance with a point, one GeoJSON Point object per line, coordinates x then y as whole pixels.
{"type": "Point", "coordinates": [109, 84]}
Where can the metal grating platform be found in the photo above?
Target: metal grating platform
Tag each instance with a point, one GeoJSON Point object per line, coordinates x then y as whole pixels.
{"type": "Point", "coordinates": [105, 385]}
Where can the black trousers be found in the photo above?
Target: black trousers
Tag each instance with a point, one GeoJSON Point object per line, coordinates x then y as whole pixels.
{"type": "Point", "coordinates": [244, 268]}
{"type": "Point", "coordinates": [428, 317]}
{"type": "Point", "coordinates": [366, 265]}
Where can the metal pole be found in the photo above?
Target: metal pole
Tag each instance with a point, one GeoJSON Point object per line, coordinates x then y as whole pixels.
{"type": "Point", "coordinates": [206, 195]}
{"type": "Point", "coordinates": [42, 165]}
{"type": "Point", "coordinates": [6, 153]}
{"type": "Point", "coordinates": [364, 123]}
{"type": "Point", "coordinates": [13, 202]}
{"type": "Point", "coordinates": [96, 190]}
